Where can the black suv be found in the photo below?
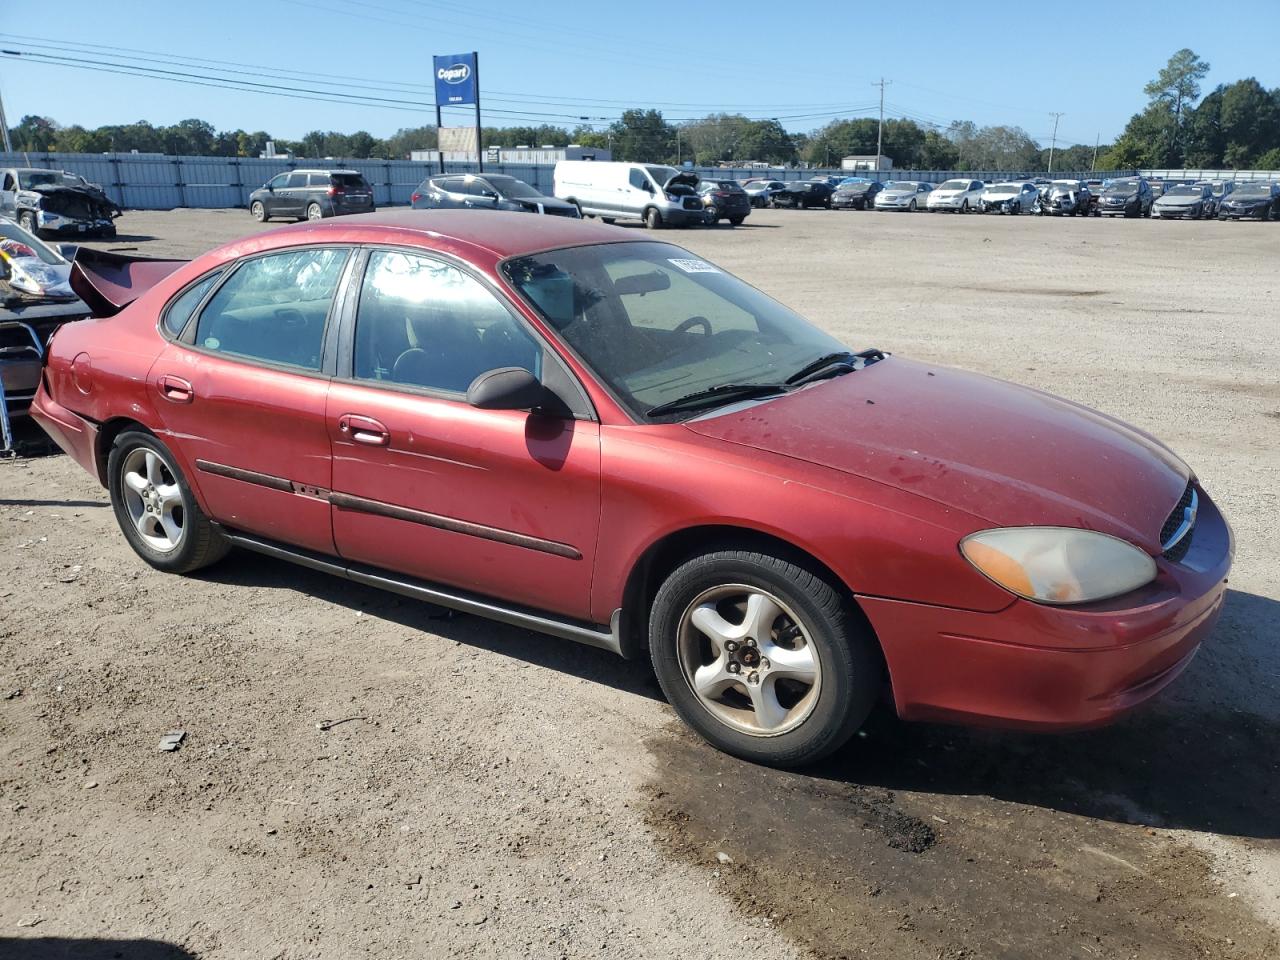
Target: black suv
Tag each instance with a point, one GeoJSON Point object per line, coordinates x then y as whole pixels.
{"type": "Point", "coordinates": [312, 195]}
{"type": "Point", "coordinates": [1126, 197]}
{"type": "Point", "coordinates": [803, 194]}
{"type": "Point", "coordinates": [724, 200]}
{"type": "Point", "coordinates": [488, 191]}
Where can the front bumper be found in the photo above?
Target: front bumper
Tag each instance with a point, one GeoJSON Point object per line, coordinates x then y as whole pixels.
{"type": "Point", "coordinates": [850, 202]}
{"type": "Point", "coordinates": [1175, 213]}
{"type": "Point", "coordinates": [1118, 210]}
{"type": "Point", "coordinates": [64, 226]}
{"type": "Point", "coordinates": [680, 217]}
{"type": "Point", "coordinates": [1252, 213]}
{"type": "Point", "coordinates": [1031, 666]}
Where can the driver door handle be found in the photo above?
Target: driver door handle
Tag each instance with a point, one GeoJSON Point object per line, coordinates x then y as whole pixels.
{"type": "Point", "coordinates": [364, 430]}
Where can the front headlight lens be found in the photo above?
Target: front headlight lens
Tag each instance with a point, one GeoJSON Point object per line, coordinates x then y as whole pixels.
{"type": "Point", "coordinates": [1058, 565]}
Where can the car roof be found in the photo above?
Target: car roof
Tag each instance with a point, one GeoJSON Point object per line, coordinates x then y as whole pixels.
{"type": "Point", "coordinates": [492, 235]}
{"type": "Point", "coordinates": [329, 170]}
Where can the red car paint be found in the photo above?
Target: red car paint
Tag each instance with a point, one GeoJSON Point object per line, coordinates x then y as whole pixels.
{"type": "Point", "coordinates": [877, 475]}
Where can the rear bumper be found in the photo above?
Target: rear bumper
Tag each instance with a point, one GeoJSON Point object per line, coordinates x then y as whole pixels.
{"type": "Point", "coordinates": [1044, 668]}
{"type": "Point", "coordinates": [77, 436]}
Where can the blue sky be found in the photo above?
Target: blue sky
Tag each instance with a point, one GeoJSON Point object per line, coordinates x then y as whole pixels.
{"type": "Point", "coordinates": [555, 61]}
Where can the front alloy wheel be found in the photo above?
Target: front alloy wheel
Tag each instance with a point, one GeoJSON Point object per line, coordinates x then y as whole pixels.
{"type": "Point", "coordinates": [764, 657]}
{"type": "Point", "coordinates": [259, 211]}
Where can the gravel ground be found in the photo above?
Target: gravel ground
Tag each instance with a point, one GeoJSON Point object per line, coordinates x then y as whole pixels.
{"type": "Point", "coordinates": [503, 794]}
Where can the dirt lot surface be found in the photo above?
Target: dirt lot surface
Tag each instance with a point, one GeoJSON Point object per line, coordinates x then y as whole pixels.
{"type": "Point", "coordinates": [503, 794]}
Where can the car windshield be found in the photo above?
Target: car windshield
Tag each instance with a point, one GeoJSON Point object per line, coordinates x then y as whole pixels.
{"type": "Point", "coordinates": [1183, 192]}
{"type": "Point", "coordinates": [1253, 190]}
{"type": "Point", "coordinates": [17, 241]}
{"type": "Point", "coordinates": [1122, 186]}
{"type": "Point", "coordinates": [1003, 189]}
{"type": "Point", "coordinates": [27, 179]}
{"type": "Point", "coordinates": [511, 187]}
{"type": "Point", "coordinates": [900, 185]}
{"type": "Point", "coordinates": [953, 185]}
{"type": "Point", "coordinates": [656, 323]}
{"type": "Point", "coordinates": [855, 187]}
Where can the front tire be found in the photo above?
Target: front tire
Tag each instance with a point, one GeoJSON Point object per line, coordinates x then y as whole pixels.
{"type": "Point", "coordinates": [764, 658]}
{"type": "Point", "coordinates": [27, 221]}
{"type": "Point", "coordinates": [259, 211]}
{"type": "Point", "coordinates": [156, 509]}
{"type": "Point", "coordinates": [736, 221]}
{"type": "Point", "coordinates": [911, 207]}
{"type": "Point", "coordinates": [653, 219]}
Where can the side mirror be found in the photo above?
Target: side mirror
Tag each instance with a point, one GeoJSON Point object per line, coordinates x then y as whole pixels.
{"type": "Point", "coordinates": [648, 186]}
{"type": "Point", "coordinates": [270, 188]}
{"type": "Point", "coordinates": [509, 388]}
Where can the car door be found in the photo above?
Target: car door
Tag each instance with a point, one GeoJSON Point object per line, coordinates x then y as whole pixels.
{"type": "Point", "coordinates": [241, 394]}
{"type": "Point", "coordinates": [293, 197]}
{"type": "Point", "coordinates": [274, 196]}
{"type": "Point", "coordinates": [504, 503]}
{"type": "Point", "coordinates": [9, 195]}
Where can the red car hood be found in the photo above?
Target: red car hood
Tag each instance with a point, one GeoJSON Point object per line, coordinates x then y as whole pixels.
{"type": "Point", "coordinates": [1009, 455]}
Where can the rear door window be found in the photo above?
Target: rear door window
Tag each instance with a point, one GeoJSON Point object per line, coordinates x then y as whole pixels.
{"type": "Point", "coordinates": [274, 308]}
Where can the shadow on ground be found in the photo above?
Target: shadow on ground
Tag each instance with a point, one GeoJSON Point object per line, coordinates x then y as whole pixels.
{"type": "Point", "coordinates": [64, 948]}
{"type": "Point", "coordinates": [248, 569]}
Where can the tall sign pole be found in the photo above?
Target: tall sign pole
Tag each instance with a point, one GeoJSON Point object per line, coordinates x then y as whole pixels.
{"type": "Point", "coordinates": [475, 67]}
{"type": "Point", "coordinates": [457, 85]}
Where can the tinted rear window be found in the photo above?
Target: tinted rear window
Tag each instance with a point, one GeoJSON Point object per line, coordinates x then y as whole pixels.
{"type": "Point", "coordinates": [349, 180]}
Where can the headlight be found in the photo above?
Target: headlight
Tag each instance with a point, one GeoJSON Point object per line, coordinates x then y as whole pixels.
{"type": "Point", "coordinates": [1058, 565]}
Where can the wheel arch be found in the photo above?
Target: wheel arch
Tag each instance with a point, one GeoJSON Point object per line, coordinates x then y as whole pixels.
{"type": "Point", "coordinates": [666, 553]}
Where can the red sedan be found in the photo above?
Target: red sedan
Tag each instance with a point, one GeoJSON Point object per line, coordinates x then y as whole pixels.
{"type": "Point", "coordinates": [607, 439]}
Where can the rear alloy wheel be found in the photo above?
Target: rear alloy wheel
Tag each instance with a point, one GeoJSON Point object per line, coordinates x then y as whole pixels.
{"type": "Point", "coordinates": [156, 509]}
{"type": "Point", "coordinates": [259, 211]}
{"type": "Point", "coordinates": [314, 212]}
{"type": "Point", "coordinates": [653, 219]}
{"type": "Point", "coordinates": [762, 657]}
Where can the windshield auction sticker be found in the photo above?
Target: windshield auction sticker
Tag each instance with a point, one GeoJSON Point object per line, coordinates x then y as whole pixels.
{"type": "Point", "coordinates": [689, 265]}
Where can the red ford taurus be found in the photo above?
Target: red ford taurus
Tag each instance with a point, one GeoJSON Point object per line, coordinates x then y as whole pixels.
{"type": "Point", "coordinates": [607, 439]}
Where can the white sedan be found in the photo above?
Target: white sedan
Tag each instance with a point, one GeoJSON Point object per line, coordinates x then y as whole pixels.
{"type": "Point", "coordinates": [958, 196]}
{"type": "Point", "coordinates": [1009, 198]}
{"type": "Point", "coordinates": [903, 195]}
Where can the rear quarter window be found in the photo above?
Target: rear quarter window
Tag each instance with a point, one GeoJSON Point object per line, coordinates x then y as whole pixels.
{"type": "Point", "coordinates": [180, 310]}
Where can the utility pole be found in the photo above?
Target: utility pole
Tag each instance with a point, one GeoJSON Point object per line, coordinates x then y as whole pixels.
{"type": "Point", "coordinates": [1054, 143]}
{"type": "Point", "coordinates": [880, 134]}
{"type": "Point", "coordinates": [4, 126]}
{"type": "Point", "coordinates": [1097, 140]}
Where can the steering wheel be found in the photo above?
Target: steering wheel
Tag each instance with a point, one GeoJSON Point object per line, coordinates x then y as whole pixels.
{"type": "Point", "coordinates": [702, 322]}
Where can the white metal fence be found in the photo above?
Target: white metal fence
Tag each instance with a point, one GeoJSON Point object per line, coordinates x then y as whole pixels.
{"type": "Point", "coordinates": [152, 182]}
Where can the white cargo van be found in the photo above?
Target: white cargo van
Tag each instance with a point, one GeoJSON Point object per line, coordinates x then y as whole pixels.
{"type": "Point", "coordinates": [657, 194]}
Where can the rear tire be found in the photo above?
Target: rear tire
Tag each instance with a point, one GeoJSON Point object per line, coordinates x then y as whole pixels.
{"type": "Point", "coordinates": [736, 221]}
{"type": "Point", "coordinates": [156, 509]}
{"type": "Point", "coordinates": [314, 212]}
{"type": "Point", "coordinates": [805, 671]}
{"type": "Point", "coordinates": [653, 219]}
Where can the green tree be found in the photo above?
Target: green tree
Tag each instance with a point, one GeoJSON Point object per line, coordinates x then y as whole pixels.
{"type": "Point", "coordinates": [643, 135]}
{"type": "Point", "coordinates": [407, 139]}
{"type": "Point", "coordinates": [34, 133]}
{"type": "Point", "coordinates": [1177, 86]}
{"type": "Point", "coordinates": [1250, 122]}
{"type": "Point", "coordinates": [938, 152]}
{"type": "Point", "coordinates": [1269, 160]}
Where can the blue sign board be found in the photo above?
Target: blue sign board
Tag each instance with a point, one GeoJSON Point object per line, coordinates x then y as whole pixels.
{"type": "Point", "coordinates": [455, 80]}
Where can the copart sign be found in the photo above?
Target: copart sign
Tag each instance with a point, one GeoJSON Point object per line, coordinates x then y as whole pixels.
{"type": "Point", "coordinates": [455, 79]}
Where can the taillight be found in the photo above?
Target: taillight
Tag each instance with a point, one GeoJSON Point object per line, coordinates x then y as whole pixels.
{"type": "Point", "coordinates": [336, 191]}
{"type": "Point", "coordinates": [416, 197]}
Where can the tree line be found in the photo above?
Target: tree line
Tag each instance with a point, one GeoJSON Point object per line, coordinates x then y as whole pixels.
{"type": "Point", "coordinates": [1236, 125]}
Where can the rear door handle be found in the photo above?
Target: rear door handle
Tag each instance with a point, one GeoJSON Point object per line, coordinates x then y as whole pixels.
{"type": "Point", "coordinates": [364, 430]}
{"type": "Point", "coordinates": [176, 389]}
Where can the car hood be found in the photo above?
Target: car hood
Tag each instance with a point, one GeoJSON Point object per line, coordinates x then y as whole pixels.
{"type": "Point", "coordinates": [546, 203]}
{"type": "Point", "coordinates": [1009, 455]}
{"type": "Point", "coordinates": [1119, 196]}
{"type": "Point", "coordinates": [1178, 201]}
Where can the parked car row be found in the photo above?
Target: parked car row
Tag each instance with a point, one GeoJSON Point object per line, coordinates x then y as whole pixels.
{"type": "Point", "coordinates": [661, 195]}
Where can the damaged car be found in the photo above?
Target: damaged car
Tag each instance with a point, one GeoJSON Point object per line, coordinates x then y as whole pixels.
{"type": "Point", "coordinates": [31, 270]}
{"type": "Point", "coordinates": [55, 202]}
{"type": "Point", "coordinates": [554, 424]}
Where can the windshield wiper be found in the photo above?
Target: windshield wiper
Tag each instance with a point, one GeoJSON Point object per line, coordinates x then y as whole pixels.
{"type": "Point", "coordinates": [722, 393]}
{"type": "Point", "coordinates": [831, 364]}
